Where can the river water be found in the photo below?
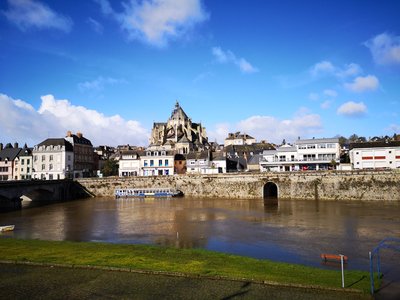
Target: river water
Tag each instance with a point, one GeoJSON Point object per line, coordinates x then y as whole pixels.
{"type": "Point", "coordinates": [294, 231]}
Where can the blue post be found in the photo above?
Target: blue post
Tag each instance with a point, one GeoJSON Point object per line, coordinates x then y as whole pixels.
{"type": "Point", "coordinates": [371, 272]}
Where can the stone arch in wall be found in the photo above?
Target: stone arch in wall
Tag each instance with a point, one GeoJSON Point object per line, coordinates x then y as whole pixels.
{"type": "Point", "coordinates": [270, 193]}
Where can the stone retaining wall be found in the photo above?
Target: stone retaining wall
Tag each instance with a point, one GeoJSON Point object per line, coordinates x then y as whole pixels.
{"type": "Point", "coordinates": [302, 185]}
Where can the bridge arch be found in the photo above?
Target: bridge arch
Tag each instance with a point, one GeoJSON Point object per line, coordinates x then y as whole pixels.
{"type": "Point", "coordinates": [270, 192]}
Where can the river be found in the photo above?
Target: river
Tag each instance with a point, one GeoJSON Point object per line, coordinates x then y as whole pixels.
{"type": "Point", "coordinates": [294, 231]}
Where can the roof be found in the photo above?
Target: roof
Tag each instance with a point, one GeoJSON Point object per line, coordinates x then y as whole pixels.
{"type": "Point", "coordinates": [129, 152]}
{"type": "Point", "coordinates": [9, 153]}
{"type": "Point", "coordinates": [184, 139]}
{"type": "Point", "coordinates": [238, 135]}
{"type": "Point", "coordinates": [57, 142]}
{"type": "Point", "coordinates": [198, 155]}
{"type": "Point", "coordinates": [317, 141]}
{"type": "Point", "coordinates": [178, 112]}
{"type": "Point", "coordinates": [80, 140]}
{"type": "Point", "coordinates": [375, 144]}
{"type": "Point", "coordinates": [256, 147]}
{"type": "Point", "coordinates": [254, 159]}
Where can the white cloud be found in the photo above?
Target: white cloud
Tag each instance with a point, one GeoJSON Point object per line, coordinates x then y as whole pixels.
{"type": "Point", "coordinates": [99, 83]}
{"type": "Point", "coordinates": [157, 21]}
{"type": "Point", "coordinates": [26, 14]}
{"type": "Point", "coordinates": [228, 57]}
{"type": "Point", "coordinates": [19, 121]}
{"type": "Point", "coordinates": [96, 26]}
{"type": "Point", "coordinates": [362, 84]}
{"type": "Point", "coordinates": [352, 109]}
{"type": "Point", "coordinates": [272, 129]}
{"type": "Point", "coordinates": [328, 68]}
{"type": "Point", "coordinates": [385, 49]}
{"type": "Point", "coordinates": [323, 67]}
{"type": "Point", "coordinates": [330, 93]}
{"type": "Point", "coordinates": [326, 104]}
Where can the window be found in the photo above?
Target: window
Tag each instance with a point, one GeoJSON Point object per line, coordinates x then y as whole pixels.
{"type": "Point", "coordinates": [28, 170]}
{"type": "Point", "coordinates": [35, 158]}
{"type": "Point", "coordinates": [322, 146]}
{"type": "Point", "coordinates": [145, 163]}
{"type": "Point", "coordinates": [51, 157]}
{"type": "Point", "coordinates": [310, 146]}
{"type": "Point", "coordinates": [28, 161]}
{"type": "Point", "coordinates": [162, 152]}
{"type": "Point", "coordinates": [151, 162]}
{"type": "Point", "coordinates": [167, 172]}
{"type": "Point", "coordinates": [51, 167]}
{"type": "Point", "coordinates": [22, 169]}
{"type": "Point", "coordinates": [166, 162]}
{"type": "Point", "coordinates": [43, 157]}
{"type": "Point", "coordinates": [43, 166]}
{"type": "Point", "coordinates": [331, 145]}
{"type": "Point", "coordinates": [302, 147]}
{"type": "Point", "coordinates": [69, 157]}
{"type": "Point", "coordinates": [23, 161]}
{"type": "Point", "coordinates": [160, 162]}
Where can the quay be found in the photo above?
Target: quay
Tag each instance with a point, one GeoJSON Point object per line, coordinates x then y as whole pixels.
{"type": "Point", "coordinates": [323, 185]}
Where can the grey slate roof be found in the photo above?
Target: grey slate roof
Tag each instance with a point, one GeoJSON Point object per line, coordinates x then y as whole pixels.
{"type": "Point", "coordinates": [9, 153]}
{"type": "Point", "coordinates": [57, 142]}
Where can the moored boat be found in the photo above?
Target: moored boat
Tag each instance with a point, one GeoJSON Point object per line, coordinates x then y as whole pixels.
{"type": "Point", "coordinates": [147, 192]}
{"type": "Point", "coordinates": [7, 228]}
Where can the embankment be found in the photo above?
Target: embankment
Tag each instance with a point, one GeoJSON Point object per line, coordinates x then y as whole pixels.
{"type": "Point", "coordinates": [365, 186]}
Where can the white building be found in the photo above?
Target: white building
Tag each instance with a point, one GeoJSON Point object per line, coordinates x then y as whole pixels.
{"type": "Point", "coordinates": [53, 159]}
{"type": "Point", "coordinates": [310, 154]}
{"type": "Point", "coordinates": [198, 162]}
{"type": "Point", "coordinates": [238, 138]}
{"type": "Point", "coordinates": [129, 163]}
{"type": "Point", "coordinates": [375, 155]}
{"type": "Point", "coordinates": [157, 163]}
{"type": "Point", "coordinates": [25, 161]}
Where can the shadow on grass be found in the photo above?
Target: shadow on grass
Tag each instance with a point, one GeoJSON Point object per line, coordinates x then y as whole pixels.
{"type": "Point", "coordinates": [357, 281]}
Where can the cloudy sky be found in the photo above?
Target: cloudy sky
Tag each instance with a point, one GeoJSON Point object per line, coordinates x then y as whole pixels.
{"type": "Point", "coordinates": [273, 69]}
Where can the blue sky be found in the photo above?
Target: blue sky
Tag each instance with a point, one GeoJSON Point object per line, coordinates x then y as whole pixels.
{"type": "Point", "coordinates": [272, 69]}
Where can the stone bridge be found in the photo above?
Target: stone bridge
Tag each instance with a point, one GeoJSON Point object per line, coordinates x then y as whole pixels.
{"type": "Point", "coordinates": [327, 185]}
{"type": "Point", "coordinates": [12, 192]}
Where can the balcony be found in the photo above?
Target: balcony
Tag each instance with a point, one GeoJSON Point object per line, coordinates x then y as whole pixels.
{"type": "Point", "coordinates": [277, 161]}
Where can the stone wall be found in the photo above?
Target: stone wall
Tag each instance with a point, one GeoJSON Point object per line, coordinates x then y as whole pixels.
{"type": "Point", "coordinates": [319, 185]}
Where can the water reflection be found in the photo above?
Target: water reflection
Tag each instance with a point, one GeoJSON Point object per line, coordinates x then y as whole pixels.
{"type": "Point", "coordinates": [292, 231]}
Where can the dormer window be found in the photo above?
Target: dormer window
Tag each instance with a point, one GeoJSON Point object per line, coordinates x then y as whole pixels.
{"type": "Point", "coordinates": [162, 152]}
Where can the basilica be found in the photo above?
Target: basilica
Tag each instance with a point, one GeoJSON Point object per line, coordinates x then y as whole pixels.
{"type": "Point", "coordinates": [179, 134]}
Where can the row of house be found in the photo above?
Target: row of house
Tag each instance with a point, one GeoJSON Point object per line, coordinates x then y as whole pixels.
{"type": "Point", "coordinates": [54, 158]}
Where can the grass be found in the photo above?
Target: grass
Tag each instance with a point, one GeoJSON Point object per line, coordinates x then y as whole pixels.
{"type": "Point", "coordinates": [195, 262]}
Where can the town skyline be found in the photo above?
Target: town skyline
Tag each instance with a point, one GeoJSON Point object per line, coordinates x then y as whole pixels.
{"type": "Point", "coordinates": [272, 70]}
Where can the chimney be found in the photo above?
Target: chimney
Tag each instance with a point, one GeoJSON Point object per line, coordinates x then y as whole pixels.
{"type": "Point", "coordinates": [15, 145]}
{"type": "Point", "coordinates": [69, 133]}
{"type": "Point", "coordinates": [79, 134]}
{"type": "Point", "coordinates": [1, 146]}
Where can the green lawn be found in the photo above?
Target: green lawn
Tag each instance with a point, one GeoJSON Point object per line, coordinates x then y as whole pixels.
{"type": "Point", "coordinates": [194, 262]}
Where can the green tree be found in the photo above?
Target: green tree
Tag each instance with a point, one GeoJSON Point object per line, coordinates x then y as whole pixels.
{"type": "Point", "coordinates": [110, 168]}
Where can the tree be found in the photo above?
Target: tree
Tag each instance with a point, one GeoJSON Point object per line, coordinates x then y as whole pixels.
{"type": "Point", "coordinates": [342, 140]}
{"type": "Point", "coordinates": [110, 168]}
{"type": "Point", "coordinates": [353, 138]}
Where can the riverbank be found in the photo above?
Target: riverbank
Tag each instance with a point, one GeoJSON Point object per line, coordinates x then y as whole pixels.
{"type": "Point", "coordinates": [38, 282]}
{"type": "Point", "coordinates": [191, 263]}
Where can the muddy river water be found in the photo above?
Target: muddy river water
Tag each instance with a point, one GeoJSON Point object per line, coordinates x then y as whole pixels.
{"type": "Point", "coordinates": [294, 231]}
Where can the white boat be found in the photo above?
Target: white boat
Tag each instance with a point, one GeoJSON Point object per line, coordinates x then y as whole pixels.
{"type": "Point", "coordinates": [147, 192]}
{"type": "Point", "coordinates": [7, 228]}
